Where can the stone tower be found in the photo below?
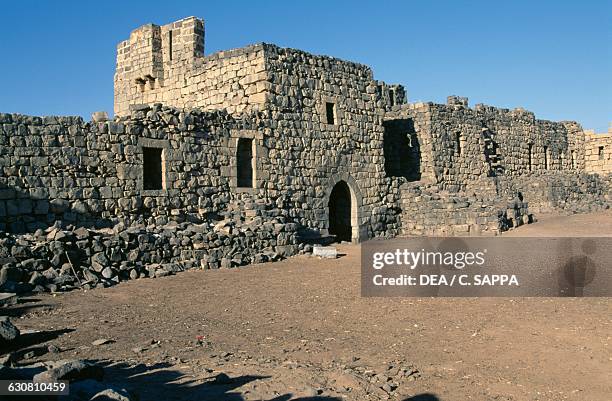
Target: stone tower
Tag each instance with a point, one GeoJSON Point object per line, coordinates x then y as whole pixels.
{"type": "Point", "coordinates": [153, 61]}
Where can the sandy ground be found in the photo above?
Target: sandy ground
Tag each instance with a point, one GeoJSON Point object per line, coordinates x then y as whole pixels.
{"type": "Point", "coordinates": [299, 329]}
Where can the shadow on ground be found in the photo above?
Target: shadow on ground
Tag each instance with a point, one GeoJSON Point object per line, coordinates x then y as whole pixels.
{"type": "Point", "coordinates": [423, 397]}
{"type": "Point", "coordinates": [26, 340]}
{"type": "Point", "coordinates": [160, 381]}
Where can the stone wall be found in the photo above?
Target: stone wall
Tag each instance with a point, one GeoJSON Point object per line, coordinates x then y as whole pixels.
{"type": "Point", "coordinates": [146, 73]}
{"type": "Point", "coordinates": [563, 192]}
{"type": "Point", "coordinates": [428, 210]}
{"type": "Point", "coordinates": [317, 133]}
{"type": "Point", "coordinates": [598, 152]}
{"type": "Point", "coordinates": [459, 146]}
{"type": "Point", "coordinates": [309, 155]}
{"type": "Point", "coordinates": [465, 165]}
{"type": "Point", "coordinates": [64, 168]}
{"type": "Point", "coordinates": [94, 173]}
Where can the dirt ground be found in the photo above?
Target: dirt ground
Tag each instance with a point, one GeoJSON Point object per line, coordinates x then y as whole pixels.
{"type": "Point", "coordinates": [299, 329]}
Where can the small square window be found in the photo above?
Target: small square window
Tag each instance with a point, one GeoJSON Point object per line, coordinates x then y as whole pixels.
{"type": "Point", "coordinates": [330, 112]}
{"type": "Point", "coordinates": [152, 168]}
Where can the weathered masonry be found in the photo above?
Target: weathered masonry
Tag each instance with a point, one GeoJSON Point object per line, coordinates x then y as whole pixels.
{"type": "Point", "coordinates": [306, 147]}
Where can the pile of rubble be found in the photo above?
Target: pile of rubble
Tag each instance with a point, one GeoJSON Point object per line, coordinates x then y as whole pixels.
{"type": "Point", "coordinates": [59, 259]}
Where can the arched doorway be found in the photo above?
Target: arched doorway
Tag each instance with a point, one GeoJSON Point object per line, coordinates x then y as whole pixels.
{"type": "Point", "coordinates": [340, 212]}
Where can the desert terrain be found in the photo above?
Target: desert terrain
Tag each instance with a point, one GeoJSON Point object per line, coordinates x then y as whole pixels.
{"type": "Point", "coordinates": [299, 330]}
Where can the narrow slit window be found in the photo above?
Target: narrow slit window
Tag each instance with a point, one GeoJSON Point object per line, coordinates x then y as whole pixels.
{"type": "Point", "coordinates": [170, 45]}
{"type": "Point", "coordinates": [152, 168]}
{"type": "Point", "coordinates": [392, 97]}
{"type": "Point", "coordinates": [546, 158]}
{"type": "Point", "coordinates": [244, 163]}
{"type": "Point", "coordinates": [330, 112]}
{"type": "Point", "coordinates": [600, 153]}
{"type": "Point", "coordinates": [530, 157]}
{"type": "Point", "coordinates": [458, 143]}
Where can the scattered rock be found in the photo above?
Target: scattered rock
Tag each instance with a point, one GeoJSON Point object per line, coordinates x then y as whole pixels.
{"type": "Point", "coordinates": [8, 331]}
{"type": "Point", "coordinates": [328, 252]}
{"type": "Point", "coordinates": [72, 370]}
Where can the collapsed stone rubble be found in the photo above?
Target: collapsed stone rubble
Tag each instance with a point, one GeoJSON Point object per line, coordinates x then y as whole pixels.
{"type": "Point", "coordinates": [58, 259]}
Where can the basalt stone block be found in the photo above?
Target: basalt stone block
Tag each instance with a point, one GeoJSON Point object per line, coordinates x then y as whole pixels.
{"type": "Point", "coordinates": [8, 331]}
{"type": "Point", "coordinates": [71, 370]}
{"type": "Point", "coordinates": [58, 206]}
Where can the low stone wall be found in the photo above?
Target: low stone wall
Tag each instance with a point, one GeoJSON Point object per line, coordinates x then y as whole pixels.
{"type": "Point", "coordinates": [560, 192]}
{"type": "Point", "coordinates": [427, 210]}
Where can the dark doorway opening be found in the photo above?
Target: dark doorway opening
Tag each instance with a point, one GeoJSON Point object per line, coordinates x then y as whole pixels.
{"type": "Point", "coordinates": [401, 150]}
{"type": "Point", "coordinates": [244, 162]}
{"type": "Point", "coordinates": [152, 173]}
{"type": "Point", "coordinates": [340, 212]}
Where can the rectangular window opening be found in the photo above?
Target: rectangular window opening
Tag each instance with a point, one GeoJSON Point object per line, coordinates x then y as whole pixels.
{"type": "Point", "coordinates": [330, 112]}
{"type": "Point", "coordinates": [600, 153]}
{"type": "Point", "coordinates": [392, 97]}
{"type": "Point", "coordinates": [245, 163]}
{"type": "Point", "coordinates": [546, 158]}
{"type": "Point", "coordinates": [152, 168]}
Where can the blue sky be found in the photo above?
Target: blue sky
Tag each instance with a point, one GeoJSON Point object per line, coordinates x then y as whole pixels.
{"type": "Point", "coordinates": [551, 57]}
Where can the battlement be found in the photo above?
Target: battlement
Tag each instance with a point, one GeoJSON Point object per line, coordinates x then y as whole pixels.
{"type": "Point", "coordinates": [152, 56]}
{"type": "Point", "coordinates": [166, 64]}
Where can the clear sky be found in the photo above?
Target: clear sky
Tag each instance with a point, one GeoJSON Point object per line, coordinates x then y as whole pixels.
{"type": "Point", "coordinates": [551, 57]}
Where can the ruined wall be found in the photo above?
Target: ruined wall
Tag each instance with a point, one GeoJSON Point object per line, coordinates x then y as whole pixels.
{"type": "Point", "coordinates": [166, 64]}
{"type": "Point", "coordinates": [471, 165]}
{"type": "Point", "coordinates": [94, 174]}
{"type": "Point", "coordinates": [460, 146]}
{"type": "Point", "coordinates": [598, 152]}
{"type": "Point", "coordinates": [62, 167]}
{"type": "Point", "coordinates": [62, 172]}
{"type": "Point", "coordinates": [559, 191]}
{"type": "Point", "coordinates": [428, 210]}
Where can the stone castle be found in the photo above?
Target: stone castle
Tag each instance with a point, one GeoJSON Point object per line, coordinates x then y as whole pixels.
{"type": "Point", "coordinates": [308, 147]}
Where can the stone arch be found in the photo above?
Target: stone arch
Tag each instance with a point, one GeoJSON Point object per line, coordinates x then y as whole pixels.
{"type": "Point", "coordinates": [356, 203]}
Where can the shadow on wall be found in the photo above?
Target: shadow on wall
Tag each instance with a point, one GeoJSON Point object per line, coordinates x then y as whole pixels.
{"type": "Point", "coordinates": [22, 212]}
{"type": "Point", "coordinates": [402, 150]}
{"type": "Point", "coordinates": [160, 382]}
